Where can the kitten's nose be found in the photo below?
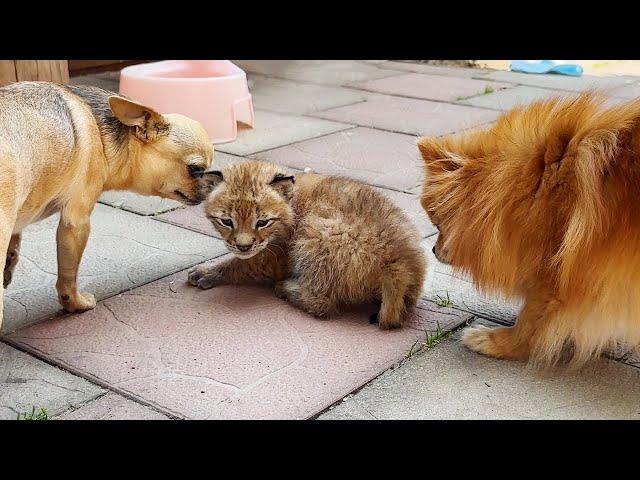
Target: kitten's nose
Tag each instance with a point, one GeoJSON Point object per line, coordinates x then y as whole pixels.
{"type": "Point", "coordinates": [244, 248]}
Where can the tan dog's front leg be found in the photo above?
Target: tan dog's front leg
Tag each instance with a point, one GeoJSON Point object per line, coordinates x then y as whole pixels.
{"type": "Point", "coordinates": [72, 238]}
{"type": "Point", "coordinates": [13, 253]}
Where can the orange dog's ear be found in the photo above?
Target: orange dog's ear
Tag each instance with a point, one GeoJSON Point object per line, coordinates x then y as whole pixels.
{"type": "Point", "coordinates": [437, 156]}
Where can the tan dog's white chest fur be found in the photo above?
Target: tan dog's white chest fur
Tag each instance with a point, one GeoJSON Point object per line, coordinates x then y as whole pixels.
{"type": "Point", "coordinates": [62, 146]}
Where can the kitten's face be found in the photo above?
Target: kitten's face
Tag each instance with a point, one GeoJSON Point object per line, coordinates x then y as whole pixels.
{"type": "Point", "coordinates": [250, 205]}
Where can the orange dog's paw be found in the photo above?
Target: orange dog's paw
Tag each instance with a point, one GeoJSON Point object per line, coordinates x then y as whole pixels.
{"type": "Point", "coordinates": [493, 342]}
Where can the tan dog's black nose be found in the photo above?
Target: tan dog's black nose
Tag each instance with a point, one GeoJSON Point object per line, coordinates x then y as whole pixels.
{"type": "Point", "coordinates": [434, 249]}
{"type": "Point", "coordinates": [244, 248]}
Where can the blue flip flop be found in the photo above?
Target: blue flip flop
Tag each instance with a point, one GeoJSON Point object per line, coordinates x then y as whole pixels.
{"type": "Point", "coordinates": [546, 66]}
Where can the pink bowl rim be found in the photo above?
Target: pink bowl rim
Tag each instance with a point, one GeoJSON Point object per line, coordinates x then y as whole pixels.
{"type": "Point", "coordinates": [140, 72]}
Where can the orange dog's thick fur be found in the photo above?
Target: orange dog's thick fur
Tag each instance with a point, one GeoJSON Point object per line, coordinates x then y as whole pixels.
{"type": "Point", "coordinates": [545, 205]}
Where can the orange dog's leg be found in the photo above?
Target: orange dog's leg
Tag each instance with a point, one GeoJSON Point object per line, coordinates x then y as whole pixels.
{"type": "Point", "coordinates": [511, 343]}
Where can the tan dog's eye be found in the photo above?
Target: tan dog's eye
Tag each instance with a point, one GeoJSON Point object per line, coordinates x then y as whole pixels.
{"type": "Point", "coordinates": [196, 171]}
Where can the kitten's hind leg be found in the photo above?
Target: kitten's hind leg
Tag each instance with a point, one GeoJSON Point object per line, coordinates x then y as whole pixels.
{"type": "Point", "coordinates": [304, 297]}
{"type": "Point", "coordinates": [393, 304]}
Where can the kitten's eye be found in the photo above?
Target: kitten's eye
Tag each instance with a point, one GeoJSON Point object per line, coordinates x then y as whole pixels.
{"type": "Point", "coordinates": [264, 223]}
{"type": "Point", "coordinates": [196, 171]}
{"type": "Point", "coordinates": [225, 222]}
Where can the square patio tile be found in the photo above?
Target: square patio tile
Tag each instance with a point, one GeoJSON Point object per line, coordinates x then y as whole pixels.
{"type": "Point", "coordinates": [411, 116]}
{"type": "Point", "coordinates": [511, 97]}
{"type": "Point", "coordinates": [124, 250]}
{"type": "Point", "coordinates": [630, 92]}
{"type": "Point", "coordinates": [384, 159]}
{"type": "Point", "coordinates": [140, 204]}
{"type": "Point", "coordinates": [112, 407]}
{"type": "Point", "coordinates": [442, 280]}
{"type": "Point", "coordinates": [558, 82]}
{"type": "Point", "coordinates": [27, 383]}
{"type": "Point", "coordinates": [431, 87]}
{"type": "Point", "coordinates": [461, 72]}
{"type": "Point", "coordinates": [328, 72]}
{"type": "Point", "coordinates": [285, 96]}
{"type": "Point", "coordinates": [107, 80]}
{"type": "Point", "coordinates": [229, 352]}
{"type": "Point", "coordinates": [273, 130]}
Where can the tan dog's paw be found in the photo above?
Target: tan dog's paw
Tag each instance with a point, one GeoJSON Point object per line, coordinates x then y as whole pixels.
{"type": "Point", "coordinates": [205, 276]}
{"type": "Point", "coordinates": [81, 302]}
{"type": "Point", "coordinates": [478, 339]}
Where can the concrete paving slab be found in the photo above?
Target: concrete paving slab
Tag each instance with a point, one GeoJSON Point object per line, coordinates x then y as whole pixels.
{"type": "Point", "coordinates": [228, 352]}
{"type": "Point", "coordinates": [431, 87]}
{"type": "Point", "coordinates": [442, 280]}
{"type": "Point", "coordinates": [630, 92]}
{"type": "Point", "coordinates": [272, 130]}
{"type": "Point", "coordinates": [451, 382]}
{"type": "Point", "coordinates": [112, 407]}
{"type": "Point", "coordinates": [558, 82]}
{"type": "Point", "coordinates": [327, 72]}
{"type": "Point", "coordinates": [140, 204]}
{"type": "Point", "coordinates": [410, 116]}
{"type": "Point", "coordinates": [107, 80]}
{"type": "Point", "coordinates": [284, 96]}
{"type": "Point", "coordinates": [124, 250]}
{"type": "Point", "coordinates": [511, 97]}
{"type": "Point", "coordinates": [384, 159]}
{"type": "Point", "coordinates": [27, 383]}
{"type": "Point", "coordinates": [435, 69]}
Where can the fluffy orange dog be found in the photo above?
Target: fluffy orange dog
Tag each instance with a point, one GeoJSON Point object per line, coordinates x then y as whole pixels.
{"type": "Point", "coordinates": [545, 205]}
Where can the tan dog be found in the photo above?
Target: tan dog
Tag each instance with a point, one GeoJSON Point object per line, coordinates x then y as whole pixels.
{"type": "Point", "coordinates": [61, 146]}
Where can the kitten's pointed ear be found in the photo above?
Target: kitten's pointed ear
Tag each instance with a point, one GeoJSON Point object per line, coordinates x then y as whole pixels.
{"type": "Point", "coordinates": [148, 124]}
{"type": "Point", "coordinates": [284, 185]}
{"type": "Point", "coordinates": [437, 156]}
{"type": "Point", "coordinates": [212, 178]}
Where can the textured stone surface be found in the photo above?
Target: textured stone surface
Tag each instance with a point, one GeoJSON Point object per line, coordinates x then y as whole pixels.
{"type": "Point", "coordinates": [431, 87]}
{"type": "Point", "coordinates": [384, 159]}
{"type": "Point", "coordinates": [285, 96]}
{"type": "Point", "coordinates": [511, 97]}
{"type": "Point", "coordinates": [124, 250]}
{"type": "Point", "coordinates": [451, 382]}
{"type": "Point", "coordinates": [107, 80]}
{"type": "Point", "coordinates": [629, 91]}
{"type": "Point", "coordinates": [112, 407]}
{"type": "Point", "coordinates": [442, 280]}
{"type": "Point", "coordinates": [27, 383]}
{"type": "Point", "coordinates": [228, 352]}
{"type": "Point", "coordinates": [408, 115]}
{"type": "Point", "coordinates": [273, 130]}
{"type": "Point", "coordinates": [330, 72]}
{"type": "Point", "coordinates": [557, 82]}
{"type": "Point", "coordinates": [434, 69]}
{"type": "Point", "coordinates": [140, 204]}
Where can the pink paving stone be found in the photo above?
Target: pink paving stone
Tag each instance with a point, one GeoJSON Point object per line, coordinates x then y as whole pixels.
{"type": "Point", "coordinates": [627, 92]}
{"type": "Point", "coordinates": [193, 217]}
{"type": "Point", "coordinates": [385, 159]}
{"type": "Point", "coordinates": [228, 352]}
{"type": "Point", "coordinates": [408, 115]}
{"type": "Point", "coordinates": [431, 87]}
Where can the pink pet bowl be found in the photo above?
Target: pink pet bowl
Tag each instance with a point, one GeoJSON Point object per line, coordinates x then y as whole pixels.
{"type": "Point", "coordinates": [214, 92]}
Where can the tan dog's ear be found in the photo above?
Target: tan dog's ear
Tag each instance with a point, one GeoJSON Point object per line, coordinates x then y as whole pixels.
{"type": "Point", "coordinates": [437, 156]}
{"type": "Point", "coordinates": [148, 124]}
{"type": "Point", "coordinates": [283, 184]}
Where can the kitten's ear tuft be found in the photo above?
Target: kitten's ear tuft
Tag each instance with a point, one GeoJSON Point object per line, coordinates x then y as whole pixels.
{"type": "Point", "coordinates": [284, 185]}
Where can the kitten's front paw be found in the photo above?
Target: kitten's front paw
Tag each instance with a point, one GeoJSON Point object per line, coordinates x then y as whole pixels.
{"type": "Point", "coordinates": [205, 276]}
